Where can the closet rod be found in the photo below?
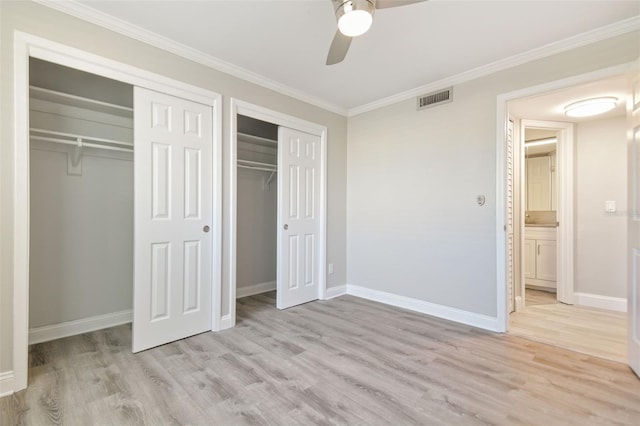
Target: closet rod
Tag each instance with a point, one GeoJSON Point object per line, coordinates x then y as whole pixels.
{"type": "Point", "coordinates": [84, 144]}
{"type": "Point", "coordinates": [75, 136]}
{"type": "Point", "coordinates": [257, 163]}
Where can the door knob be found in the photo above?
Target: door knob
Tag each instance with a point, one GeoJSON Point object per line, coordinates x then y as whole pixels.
{"type": "Point", "coordinates": [206, 228]}
{"type": "Point", "coordinates": [286, 226]}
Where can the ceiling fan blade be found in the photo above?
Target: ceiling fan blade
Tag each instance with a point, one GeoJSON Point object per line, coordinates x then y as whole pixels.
{"type": "Point", "coordinates": [384, 4]}
{"type": "Point", "coordinates": [339, 48]}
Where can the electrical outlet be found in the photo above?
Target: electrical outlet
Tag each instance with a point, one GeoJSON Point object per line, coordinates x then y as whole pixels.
{"type": "Point", "coordinates": [331, 268]}
{"type": "Point", "coordinates": [610, 206]}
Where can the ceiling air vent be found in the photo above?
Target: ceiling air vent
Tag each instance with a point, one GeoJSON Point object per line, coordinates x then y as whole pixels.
{"type": "Point", "coordinates": [435, 98]}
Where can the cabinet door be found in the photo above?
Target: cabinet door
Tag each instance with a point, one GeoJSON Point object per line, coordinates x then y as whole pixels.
{"type": "Point", "coordinates": [529, 258]}
{"type": "Point", "coordinates": [538, 183]}
{"type": "Point", "coordinates": [546, 261]}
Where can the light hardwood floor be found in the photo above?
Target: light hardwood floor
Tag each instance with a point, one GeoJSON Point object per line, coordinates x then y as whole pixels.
{"type": "Point", "coordinates": [590, 331]}
{"type": "Point", "coordinates": [342, 361]}
{"type": "Point", "coordinates": [539, 297]}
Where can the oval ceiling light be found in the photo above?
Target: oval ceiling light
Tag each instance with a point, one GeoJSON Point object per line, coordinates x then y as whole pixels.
{"type": "Point", "coordinates": [589, 107]}
{"type": "Point", "coordinates": [355, 17]}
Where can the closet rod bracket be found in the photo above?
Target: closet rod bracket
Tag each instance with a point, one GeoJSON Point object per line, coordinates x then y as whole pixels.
{"type": "Point", "coordinates": [273, 173]}
{"type": "Point", "coordinates": [74, 164]}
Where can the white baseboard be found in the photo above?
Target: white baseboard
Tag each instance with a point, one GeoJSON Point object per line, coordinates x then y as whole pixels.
{"type": "Point", "coordinates": [7, 381]}
{"type": "Point", "coordinates": [519, 305]}
{"type": "Point", "coordinates": [227, 322]}
{"type": "Point", "coordinates": [255, 289]}
{"type": "Point", "coordinates": [335, 292]}
{"type": "Point", "coordinates": [440, 311]}
{"type": "Point", "coordinates": [72, 328]}
{"type": "Point", "coordinates": [601, 302]}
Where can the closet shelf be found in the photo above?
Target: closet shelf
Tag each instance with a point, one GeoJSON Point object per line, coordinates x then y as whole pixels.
{"type": "Point", "coordinates": [257, 165]}
{"type": "Point", "coordinates": [79, 101]}
{"type": "Point", "coordinates": [245, 137]}
{"type": "Point", "coordinates": [80, 141]}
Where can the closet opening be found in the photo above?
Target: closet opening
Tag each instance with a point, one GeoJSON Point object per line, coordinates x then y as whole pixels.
{"type": "Point", "coordinates": [80, 109]}
{"type": "Point", "coordinates": [278, 208]}
{"type": "Point", "coordinates": [257, 209]}
{"type": "Point", "coordinates": [81, 202]}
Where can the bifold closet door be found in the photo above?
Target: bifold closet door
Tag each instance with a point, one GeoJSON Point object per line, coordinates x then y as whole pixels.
{"type": "Point", "coordinates": [173, 213]}
{"type": "Point", "coordinates": [298, 217]}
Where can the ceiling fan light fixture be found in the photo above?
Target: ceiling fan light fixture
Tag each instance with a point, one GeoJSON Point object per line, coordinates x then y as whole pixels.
{"type": "Point", "coordinates": [355, 17]}
{"type": "Point", "coordinates": [590, 107]}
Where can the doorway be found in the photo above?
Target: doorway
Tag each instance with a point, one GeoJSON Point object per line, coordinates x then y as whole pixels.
{"type": "Point", "coordinates": [81, 202]}
{"type": "Point", "coordinates": [27, 47]}
{"type": "Point", "coordinates": [591, 264]}
{"type": "Point", "coordinates": [257, 207]}
{"type": "Point", "coordinates": [282, 160]}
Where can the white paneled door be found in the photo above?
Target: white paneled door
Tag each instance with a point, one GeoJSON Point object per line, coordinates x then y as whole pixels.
{"type": "Point", "coordinates": [172, 219]}
{"type": "Point", "coordinates": [298, 217]}
{"type": "Point", "coordinates": [633, 294]}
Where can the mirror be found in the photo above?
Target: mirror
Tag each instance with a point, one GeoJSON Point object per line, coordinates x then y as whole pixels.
{"type": "Point", "coordinates": [540, 170]}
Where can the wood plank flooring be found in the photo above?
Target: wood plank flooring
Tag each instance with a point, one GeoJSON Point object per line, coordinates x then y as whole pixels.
{"type": "Point", "coordinates": [590, 331]}
{"type": "Point", "coordinates": [342, 361]}
{"type": "Point", "coordinates": [539, 297]}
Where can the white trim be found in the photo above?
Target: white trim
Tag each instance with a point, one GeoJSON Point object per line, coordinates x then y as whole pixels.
{"type": "Point", "coordinates": [7, 383]}
{"type": "Point", "coordinates": [336, 291]}
{"type": "Point", "coordinates": [440, 311]}
{"type": "Point", "coordinates": [87, 13]}
{"type": "Point", "coordinates": [227, 321]}
{"type": "Point", "coordinates": [25, 46]}
{"type": "Point", "coordinates": [593, 36]}
{"type": "Point", "coordinates": [232, 215]}
{"type": "Point", "coordinates": [601, 302]}
{"type": "Point", "coordinates": [80, 326]}
{"type": "Point", "coordinates": [21, 210]}
{"type": "Point", "coordinates": [111, 23]}
{"type": "Point", "coordinates": [270, 116]}
{"type": "Point", "coordinates": [502, 304]}
{"type": "Point", "coordinates": [501, 123]}
{"type": "Point", "coordinates": [519, 305]}
{"type": "Point", "coordinates": [251, 290]}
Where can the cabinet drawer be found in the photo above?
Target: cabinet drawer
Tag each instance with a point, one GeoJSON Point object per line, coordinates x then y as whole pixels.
{"type": "Point", "coordinates": [540, 233]}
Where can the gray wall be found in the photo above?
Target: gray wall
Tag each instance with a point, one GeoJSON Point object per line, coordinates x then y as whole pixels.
{"type": "Point", "coordinates": [256, 238]}
{"type": "Point", "coordinates": [413, 227]}
{"type": "Point", "coordinates": [256, 243]}
{"type": "Point", "coordinates": [601, 238]}
{"type": "Point", "coordinates": [81, 260]}
{"type": "Point", "coordinates": [44, 22]}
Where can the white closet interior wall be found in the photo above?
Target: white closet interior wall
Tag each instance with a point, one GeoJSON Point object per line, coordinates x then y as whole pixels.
{"type": "Point", "coordinates": [257, 207]}
{"type": "Point", "coordinates": [81, 224]}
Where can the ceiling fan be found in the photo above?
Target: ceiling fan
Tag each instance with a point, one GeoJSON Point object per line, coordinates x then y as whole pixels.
{"type": "Point", "coordinates": [354, 19]}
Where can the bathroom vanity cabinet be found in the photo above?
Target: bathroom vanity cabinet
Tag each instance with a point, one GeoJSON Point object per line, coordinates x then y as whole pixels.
{"type": "Point", "coordinates": [540, 256]}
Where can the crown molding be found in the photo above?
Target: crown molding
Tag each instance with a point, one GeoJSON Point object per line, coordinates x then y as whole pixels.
{"type": "Point", "coordinates": [592, 36]}
{"type": "Point", "coordinates": [86, 13]}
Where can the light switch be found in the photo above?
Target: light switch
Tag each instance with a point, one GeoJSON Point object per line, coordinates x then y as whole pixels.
{"type": "Point", "coordinates": [609, 206]}
{"type": "Point", "coordinates": [331, 268]}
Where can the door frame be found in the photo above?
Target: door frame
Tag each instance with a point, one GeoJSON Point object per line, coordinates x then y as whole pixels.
{"type": "Point", "coordinates": [565, 189]}
{"type": "Point", "coordinates": [502, 119]}
{"type": "Point", "coordinates": [27, 45]}
{"type": "Point", "coordinates": [239, 107]}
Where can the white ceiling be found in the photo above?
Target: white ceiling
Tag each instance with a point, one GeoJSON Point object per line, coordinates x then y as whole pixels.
{"type": "Point", "coordinates": [550, 106]}
{"type": "Point", "coordinates": [287, 41]}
